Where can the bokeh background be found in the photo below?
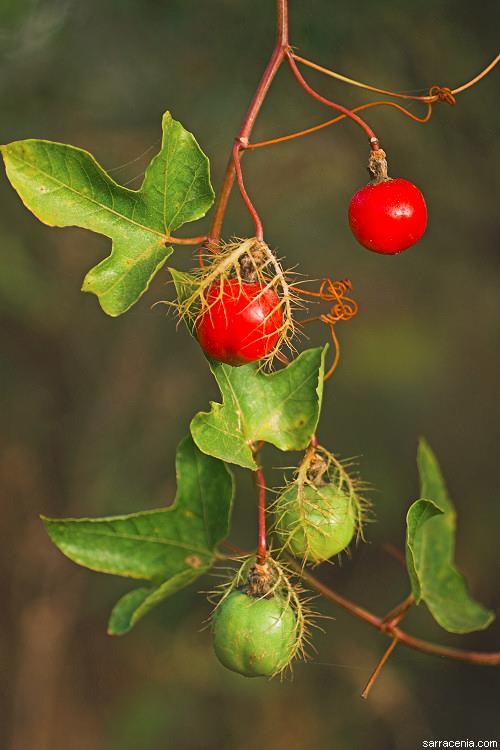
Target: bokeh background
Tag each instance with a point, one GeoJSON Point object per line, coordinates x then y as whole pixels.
{"type": "Point", "coordinates": [92, 408]}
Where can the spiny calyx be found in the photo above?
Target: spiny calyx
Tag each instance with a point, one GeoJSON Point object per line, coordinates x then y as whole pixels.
{"type": "Point", "coordinates": [319, 513]}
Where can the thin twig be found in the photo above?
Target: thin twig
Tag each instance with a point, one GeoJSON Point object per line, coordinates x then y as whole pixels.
{"type": "Point", "coordinates": [395, 553]}
{"type": "Point", "coordinates": [334, 120]}
{"type": "Point", "coordinates": [473, 657]}
{"type": "Point", "coordinates": [378, 668]}
{"type": "Point", "coordinates": [374, 142]}
{"type": "Point", "coordinates": [187, 240]}
{"type": "Point", "coordinates": [427, 99]}
{"type": "Point", "coordinates": [262, 542]}
{"type": "Point", "coordinates": [274, 64]}
{"type": "Point", "coordinates": [486, 658]}
{"type": "Point", "coordinates": [391, 619]}
{"type": "Point", "coordinates": [395, 616]}
{"type": "Point", "coordinates": [238, 551]}
{"type": "Point", "coordinates": [259, 232]}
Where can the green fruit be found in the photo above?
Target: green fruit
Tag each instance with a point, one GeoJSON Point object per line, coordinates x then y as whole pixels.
{"type": "Point", "coordinates": [254, 636]}
{"type": "Point", "coordinates": [316, 524]}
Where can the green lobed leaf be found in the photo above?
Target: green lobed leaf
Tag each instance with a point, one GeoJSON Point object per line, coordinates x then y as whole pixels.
{"type": "Point", "coordinates": [135, 604]}
{"type": "Point", "coordinates": [65, 186]}
{"type": "Point", "coordinates": [170, 547]}
{"type": "Point", "coordinates": [282, 408]}
{"type": "Point", "coordinates": [430, 548]}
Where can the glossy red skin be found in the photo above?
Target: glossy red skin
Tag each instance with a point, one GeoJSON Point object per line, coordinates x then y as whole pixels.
{"type": "Point", "coordinates": [235, 330]}
{"type": "Point", "coordinates": [388, 217]}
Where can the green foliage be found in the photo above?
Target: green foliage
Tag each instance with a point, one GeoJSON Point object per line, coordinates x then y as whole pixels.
{"type": "Point", "coordinates": [137, 603]}
{"type": "Point", "coordinates": [430, 545]}
{"type": "Point", "coordinates": [65, 186]}
{"type": "Point", "coordinates": [282, 408]}
{"type": "Point", "coordinates": [170, 547]}
{"type": "Point", "coordinates": [419, 512]}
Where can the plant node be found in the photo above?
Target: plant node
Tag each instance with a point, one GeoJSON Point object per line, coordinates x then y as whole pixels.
{"type": "Point", "coordinates": [377, 166]}
{"type": "Point", "coordinates": [260, 579]}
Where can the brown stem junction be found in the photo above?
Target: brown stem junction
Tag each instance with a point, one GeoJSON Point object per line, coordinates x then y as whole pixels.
{"type": "Point", "coordinates": [391, 630]}
{"type": "Point", "coordinates": [281, 52]}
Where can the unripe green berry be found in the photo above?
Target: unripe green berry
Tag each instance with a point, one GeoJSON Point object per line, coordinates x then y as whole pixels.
{"type": "Point", "coordinates": [315, 523]}
{"type": "Point", "coordinates": [255, 637]}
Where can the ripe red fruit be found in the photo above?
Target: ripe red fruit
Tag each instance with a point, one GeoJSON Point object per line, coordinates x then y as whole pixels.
{"type": "Point", "coordinates": [242, 323]}
{"type": "Point", "coordinates": [388, 216]}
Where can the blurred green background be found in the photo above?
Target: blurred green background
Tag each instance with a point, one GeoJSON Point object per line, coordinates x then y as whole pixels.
{"type": "Point", "coordinates": [92, 408]}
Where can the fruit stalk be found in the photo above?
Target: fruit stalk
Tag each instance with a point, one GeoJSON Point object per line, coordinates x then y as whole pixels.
{"type": "Point", "coordinates": [374, 142]}
{"type": "Point", "coordinates": [262, 542]}
{"type": "Point", "coordinates": [259, 232]}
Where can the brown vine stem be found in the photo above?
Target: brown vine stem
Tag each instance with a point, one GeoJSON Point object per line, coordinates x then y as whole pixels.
{"type": "Point", "coordinates": [486, 658]}
{"type": "Point", "coordinates": [436, 94]}
{"type": "Point", "coordinates": [259, 231]}
{"type": "Point", "coordinates": [262, 543]}
{"type": "Point", "coordinates": [379, 668]}
{"type": "Point", "coordinates": [429, 99]}
{"type": "Point", "coordinates": [274, 64]}
{"type": "Point", "coordinates": [396, 615]}
{"type": "Point", "coordinates": [333, 121]}
{"type": "Point", "coordinates": [472, 657]}
{"type": "Point", "coordinates": [395, 553]}
{"type": "Point", "coordinates": [260, 481]}
{"type": "Point", "coordinates": [186, 240]}
{"type": "Point", "coordinates": [393, 618]}
{"type": "Point", "coordinates": [374, 142]}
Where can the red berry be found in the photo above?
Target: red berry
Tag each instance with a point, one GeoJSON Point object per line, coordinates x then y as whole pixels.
{"type": "Point", "coordinates": [242, 323]}
{"type": "Point", "coordinates": [389, 216]}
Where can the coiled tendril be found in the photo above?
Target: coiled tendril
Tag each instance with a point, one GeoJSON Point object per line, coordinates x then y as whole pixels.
{"type": "Point", "coordinates": [342, 308]}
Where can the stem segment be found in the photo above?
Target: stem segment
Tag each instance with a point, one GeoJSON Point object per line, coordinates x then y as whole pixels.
{"type": "Point", "coordinates": [430, 98]}
{"type": "Point", "coordinates": [262, 543]}
{"type": "Point", "coordinates": [374, 142]}
{"type": "Point", "coordinates": [472, 657]}
{"type": "Point", "coordinates": [393, 618]}
{"type": "Point", "coordinates": [379, 668]}
{"type": "Point", "coordinates": [187, 240]}
{"type": "Point", "coordinates": [259, 231]}
{"type": "Point", "coordinates": [274, 64]}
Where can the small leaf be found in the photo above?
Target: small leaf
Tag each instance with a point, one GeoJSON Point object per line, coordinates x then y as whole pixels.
{"type": "Point", "coordinates": [432, 484]}
{"type": "Point", "coordinates": [418, 513]}
{"type": "Point", "coordinates": [430, 548]}
{"type": "Point", "coordinates": [170, 547]}
{"type": "Point", "coordinates": [65, 186]}
{"type": "Point", "coordinates": [282, 408]}
{"type": "Point", "coordinates": [133, 606]}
